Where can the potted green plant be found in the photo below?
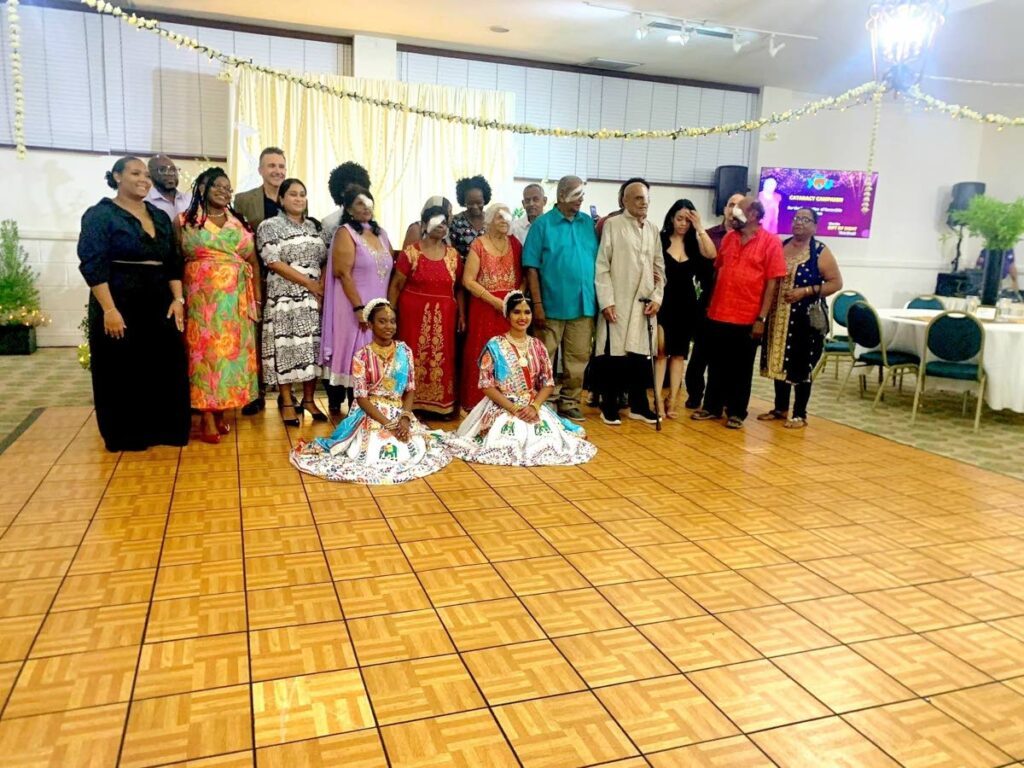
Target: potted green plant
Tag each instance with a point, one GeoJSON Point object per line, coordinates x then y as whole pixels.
{"type": "Point", "coordinates": [1000, 225]}
{"type": "Point", "coordinates": [19, 298]}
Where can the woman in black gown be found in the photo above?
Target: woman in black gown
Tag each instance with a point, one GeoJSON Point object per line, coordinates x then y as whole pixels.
{"type": "Point", "coordinates": [689, 265]}
{"type": "Point", "coordinates": [128, 257]}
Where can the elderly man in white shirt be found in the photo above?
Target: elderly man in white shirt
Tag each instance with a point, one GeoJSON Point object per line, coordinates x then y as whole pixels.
{"type": "Point", "coordinates": [630, 282]}
{"type": "Point", "coordinates": [534, 202]}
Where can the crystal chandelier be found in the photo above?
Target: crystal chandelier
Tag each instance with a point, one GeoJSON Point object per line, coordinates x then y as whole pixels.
{"type": "Point", "coordinates": [902, 32]}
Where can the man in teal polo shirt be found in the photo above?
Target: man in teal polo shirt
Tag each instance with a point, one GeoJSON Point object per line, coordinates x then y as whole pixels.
{"type": "Point", "coordinates": [560, 256]}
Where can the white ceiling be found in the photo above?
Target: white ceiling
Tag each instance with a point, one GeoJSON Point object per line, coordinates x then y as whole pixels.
{"type": "Point", "coordinates": [979, 40]}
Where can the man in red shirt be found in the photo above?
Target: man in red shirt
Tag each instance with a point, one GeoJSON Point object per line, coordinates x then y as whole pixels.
{"type": "Point", "coordinates": [749, 266]}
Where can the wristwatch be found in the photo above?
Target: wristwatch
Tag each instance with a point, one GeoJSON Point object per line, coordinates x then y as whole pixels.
{"type": "Point", "coordinates": [762, 319]}
{"type": "Point", "coordinates": [180, 298]}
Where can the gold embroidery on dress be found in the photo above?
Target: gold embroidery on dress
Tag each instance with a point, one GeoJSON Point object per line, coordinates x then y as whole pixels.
{"type": "Point", "coordinates": [779, 318]}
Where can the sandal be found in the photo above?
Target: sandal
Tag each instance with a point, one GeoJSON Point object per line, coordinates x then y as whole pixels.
{"type": "Point", "coordinates": [310, 407]}
{"type": "Point", "coordinates": [773, 415]}
{"type": "Point", "coordinates": [292, 421]}
{"type": "Point", "coordinates": [797, 423]}
{"type": "Point", "coordinates": [734, 422]}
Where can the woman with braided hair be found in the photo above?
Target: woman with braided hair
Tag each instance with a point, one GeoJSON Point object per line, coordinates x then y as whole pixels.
{"type": "Point", "coordinates": [381, 441]}
{"type": "Point", "coordinates": [222, 300]}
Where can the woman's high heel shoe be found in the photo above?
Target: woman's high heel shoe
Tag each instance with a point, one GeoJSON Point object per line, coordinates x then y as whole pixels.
{"type": "Point", "coordinates": [316, 415]}
{"type": "Point", "coordinates": [207, 437]}
{"type": "Point", "coordinates": [294, 421]}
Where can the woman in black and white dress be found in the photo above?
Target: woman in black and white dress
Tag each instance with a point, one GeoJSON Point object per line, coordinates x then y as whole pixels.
{"type": "Point", "coordinates": [292, 246]}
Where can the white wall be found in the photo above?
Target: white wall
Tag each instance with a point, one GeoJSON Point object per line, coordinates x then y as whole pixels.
{"type": "Point", "coordinates": [47, 193]}
{"type": "Point", "coordinates": [919, 157]}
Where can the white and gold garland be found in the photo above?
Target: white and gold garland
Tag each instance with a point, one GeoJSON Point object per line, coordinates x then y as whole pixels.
{"type": "Point", "coordinates": [959, 112]}
{"type": "Point", "coordinates": [17, 78]}
{"type": "Point", "coordinates": [876, 121]}
{"type": "Point", "coordinates": [859, 95]}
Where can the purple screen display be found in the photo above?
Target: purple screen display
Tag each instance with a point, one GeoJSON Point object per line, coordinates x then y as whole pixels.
{"type": "Point", "coordinates": [836, 196]}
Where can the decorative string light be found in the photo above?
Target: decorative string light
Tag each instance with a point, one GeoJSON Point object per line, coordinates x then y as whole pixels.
{"type": "Point", "coordinates": [869, 183]}
{"type": "Point", "coordinates": [17, 78]}
{"type": "Point", "coordinates": [853, 97]}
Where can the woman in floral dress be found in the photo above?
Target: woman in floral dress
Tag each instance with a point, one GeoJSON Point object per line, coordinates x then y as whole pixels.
{"type": "Point", "coordinates": [427, 292]}
{"type": "Point", "coordinates": [221, 300]}
{"type": "Point", "coordinates": [380, 442]}
{"type": "Point", "coordinates": [514, 426]}
{"type": "Point", "coordinates": [493, 269]}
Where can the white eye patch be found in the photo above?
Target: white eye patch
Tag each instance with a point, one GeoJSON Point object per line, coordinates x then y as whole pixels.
{"type": "Point", "coordinates": [505, 215]}
{"type": "Point", "coordinates": [576, 194]}
{"type": "Point", "coordinates": [435, 222]}
{"type": "Point", "coordinates": [365, 201]}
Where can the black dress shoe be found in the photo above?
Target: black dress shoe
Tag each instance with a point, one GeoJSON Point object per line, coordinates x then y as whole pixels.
{"type": "Point", "coordinates": [251, 409]}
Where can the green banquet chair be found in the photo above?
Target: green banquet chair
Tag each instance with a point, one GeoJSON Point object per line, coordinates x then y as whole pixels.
{"type": "Point", "coordinates": [955, 339]}
{"type": "Point", "coordinates": [866, 331]}
{"type": "Point", "coordinates": [925, 302]}
{"type": "Point", "coordinates": [837, 345]}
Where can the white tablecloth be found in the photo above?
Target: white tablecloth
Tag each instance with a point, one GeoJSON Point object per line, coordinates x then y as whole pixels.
{"type": "Point", "coordinates": [904, 331]}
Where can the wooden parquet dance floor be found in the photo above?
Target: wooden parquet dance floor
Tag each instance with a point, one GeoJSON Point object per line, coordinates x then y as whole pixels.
{"type": "Point", "coordinates": [699, 597]}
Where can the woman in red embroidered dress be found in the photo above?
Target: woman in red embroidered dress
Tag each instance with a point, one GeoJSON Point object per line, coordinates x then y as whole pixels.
{"type": "Point", "coordinates": [426, 290]}
{"type": "Point", "coordinates": [493, 269]}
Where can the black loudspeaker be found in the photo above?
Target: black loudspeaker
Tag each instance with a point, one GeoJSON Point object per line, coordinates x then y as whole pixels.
{"type": "Point", "coordinates": [729, 179]}
{"type": "Point", "coordinates": [961, 196]}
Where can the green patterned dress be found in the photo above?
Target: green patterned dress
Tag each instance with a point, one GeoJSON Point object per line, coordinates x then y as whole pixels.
{"type": "Point", "coordinates": [220, 314]}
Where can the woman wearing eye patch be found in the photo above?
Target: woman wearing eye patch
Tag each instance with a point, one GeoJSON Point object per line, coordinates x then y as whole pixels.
{"type": "Point", "coordinates": [493, 270]}
{"type": "Point", "coordinates": [792, 345]}
{"type": "Point", "coordinates": [426, 291]}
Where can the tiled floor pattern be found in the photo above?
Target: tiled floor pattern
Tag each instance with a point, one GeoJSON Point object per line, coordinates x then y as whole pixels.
{"type": "Point", "coordinates": [53, 377]}
{"type": "Point", "coordinates": [698, 597]}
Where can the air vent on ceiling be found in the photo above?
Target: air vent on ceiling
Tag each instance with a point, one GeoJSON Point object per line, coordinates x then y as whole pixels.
{"type": "Point", "coordinates": [618, 66]}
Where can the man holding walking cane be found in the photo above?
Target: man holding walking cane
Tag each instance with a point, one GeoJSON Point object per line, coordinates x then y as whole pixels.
{"type": "Point", "coordinates": [630, 269]}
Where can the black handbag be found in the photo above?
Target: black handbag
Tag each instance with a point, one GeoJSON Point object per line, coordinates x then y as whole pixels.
{"type": "Point", "coordinates": [818, 317]}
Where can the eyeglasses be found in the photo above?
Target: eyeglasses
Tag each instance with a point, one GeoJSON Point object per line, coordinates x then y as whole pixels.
{"type": "Point", "coordinates": [167, 169]}
{"type": "Point", "coordinates": [803, 220]}
{"type": "Point", "coordinates": [223, 188]}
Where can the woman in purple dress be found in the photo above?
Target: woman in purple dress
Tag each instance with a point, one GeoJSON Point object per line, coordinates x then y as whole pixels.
{"type": "Point", "coordinates": [361, 264]}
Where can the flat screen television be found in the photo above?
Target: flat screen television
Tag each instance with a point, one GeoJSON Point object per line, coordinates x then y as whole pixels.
{"type": "Point", "coordinates": [836, 196]}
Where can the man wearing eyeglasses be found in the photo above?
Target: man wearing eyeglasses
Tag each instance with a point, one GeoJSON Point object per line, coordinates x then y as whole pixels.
{"type": "Point", "coordinates": [164, 193]}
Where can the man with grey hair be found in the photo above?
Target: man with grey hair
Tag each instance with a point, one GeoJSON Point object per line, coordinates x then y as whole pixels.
{"type": "Point", "coordinates": [750, 264]}
{"type": "Point", "coordinates": [534, 202]}
{"type": "Point", "coordinates": [630, 279]}
{"type": "Point", "coordinates": [559, 256]}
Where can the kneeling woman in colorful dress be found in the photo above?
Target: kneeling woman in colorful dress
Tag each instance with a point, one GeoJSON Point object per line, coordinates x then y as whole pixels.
{"type": "Point", "coordinates": [380, 442]}
{"type": "Point", "coordinates": [513, 426]}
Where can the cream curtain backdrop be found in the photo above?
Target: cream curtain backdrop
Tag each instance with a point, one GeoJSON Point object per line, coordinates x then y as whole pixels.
{"type": "Point", "coordinates": [409, 157]}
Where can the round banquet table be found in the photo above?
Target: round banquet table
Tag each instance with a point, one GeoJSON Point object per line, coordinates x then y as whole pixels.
{"type": "Point", "coordinates": [904, 331]}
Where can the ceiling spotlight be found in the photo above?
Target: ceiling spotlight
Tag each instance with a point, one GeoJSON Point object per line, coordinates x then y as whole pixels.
{"type": "Point", "coordinates": [641, 28]}
{"type": "Point", "coordinates": [738, 44]}
{"type": "Point", "coordinates": [774, 48]}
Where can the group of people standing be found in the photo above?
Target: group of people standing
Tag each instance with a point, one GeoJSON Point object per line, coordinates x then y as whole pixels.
{"type": "Point", "coordinates": [270, 298]}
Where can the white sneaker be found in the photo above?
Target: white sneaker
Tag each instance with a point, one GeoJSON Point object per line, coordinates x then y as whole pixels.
{"type": "Point", "coordinates": [616, 422]}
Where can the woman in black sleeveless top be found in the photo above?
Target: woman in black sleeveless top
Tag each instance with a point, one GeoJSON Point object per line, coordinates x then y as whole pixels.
{"type": "Point", "coordinates": [689, 267]}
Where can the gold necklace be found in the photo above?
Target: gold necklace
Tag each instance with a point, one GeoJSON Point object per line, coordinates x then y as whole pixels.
{"type": "Point", "coordinates": [384, 353]}
{"type": "Point", "coordinates": [521, 350]}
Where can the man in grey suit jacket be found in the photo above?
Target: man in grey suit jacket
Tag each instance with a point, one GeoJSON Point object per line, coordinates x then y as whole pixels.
{"type": "Point", "coordinates": [256, 205]}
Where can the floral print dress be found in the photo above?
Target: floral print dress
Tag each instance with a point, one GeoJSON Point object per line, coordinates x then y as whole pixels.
{"type": "Point", "coordinates": [220, 313]}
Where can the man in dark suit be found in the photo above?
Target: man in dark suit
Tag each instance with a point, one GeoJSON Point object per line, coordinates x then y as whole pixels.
{"type": "Point", "coordinates": [256, 205]}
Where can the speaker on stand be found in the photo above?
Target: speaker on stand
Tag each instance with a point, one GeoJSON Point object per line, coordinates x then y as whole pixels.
{"type": "Point", "coordinates": [962, 194]}
{"type": "Point", "coordinates": [729, 179]}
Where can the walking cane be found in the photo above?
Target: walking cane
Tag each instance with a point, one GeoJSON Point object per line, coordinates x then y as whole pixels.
{"type": "Point", "coordinates": [654, 375]}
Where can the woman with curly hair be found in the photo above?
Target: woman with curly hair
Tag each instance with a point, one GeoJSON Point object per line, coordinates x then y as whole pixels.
{"type": "Point", "coordinates": [222, 297]}
{"type": "Point", "coordinates": [473, 194]}
{"type": "Point", "coordinates": [346, 175]}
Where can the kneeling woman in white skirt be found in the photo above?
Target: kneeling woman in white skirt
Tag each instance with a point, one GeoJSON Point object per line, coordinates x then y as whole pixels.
{"type": "Point", "coordinates": [512, 426]}
{"type": "Point", "coordinates": [381, 441]}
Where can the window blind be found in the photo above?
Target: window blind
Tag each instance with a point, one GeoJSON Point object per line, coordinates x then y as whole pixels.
{"type": "Point", "coordinates": [557, 98]}
{"type": "Point", "coordinates": [93, 83]}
